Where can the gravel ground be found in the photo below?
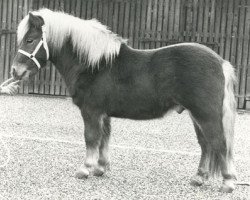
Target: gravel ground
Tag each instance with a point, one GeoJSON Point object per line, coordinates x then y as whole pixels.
{"type": "Point", "coordinates": [150, 159]}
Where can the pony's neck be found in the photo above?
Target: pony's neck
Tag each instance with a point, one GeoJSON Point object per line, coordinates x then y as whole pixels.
{"type": "Point", "coordinates": [67, 64]}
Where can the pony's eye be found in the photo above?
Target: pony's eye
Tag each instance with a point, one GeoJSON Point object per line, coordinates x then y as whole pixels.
{"type": "Point", "coordinates": [29, 40]}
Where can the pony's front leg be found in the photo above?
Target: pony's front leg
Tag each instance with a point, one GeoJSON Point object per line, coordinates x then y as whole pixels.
{"type": "Point", "coordinates": [93, 137]}
{"type": "Point", "coordinates": [104, 146]}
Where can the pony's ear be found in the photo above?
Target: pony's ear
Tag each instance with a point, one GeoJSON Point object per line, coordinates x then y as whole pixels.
{"type": "Point", "coordinates": [35, 21]}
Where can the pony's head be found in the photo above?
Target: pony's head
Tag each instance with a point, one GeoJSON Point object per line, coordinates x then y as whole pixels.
{"type": "Point", "coordinates": [33, 49]}
{"type": "Point", "coordinates": [91, 41]}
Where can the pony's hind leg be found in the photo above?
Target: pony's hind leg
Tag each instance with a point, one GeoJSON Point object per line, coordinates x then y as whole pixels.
{"type": "Point", "coordinates": [228, 172]}
{"type": "Point", "coordinates": [219, 154]}
{"type": "Point", "coordinates": [93, 136]}
{"type": "Point", "coordinates": [203, 170]}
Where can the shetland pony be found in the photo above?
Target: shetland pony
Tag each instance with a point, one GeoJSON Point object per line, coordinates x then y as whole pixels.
{"type": "Point", "coordinates": [107, 78]}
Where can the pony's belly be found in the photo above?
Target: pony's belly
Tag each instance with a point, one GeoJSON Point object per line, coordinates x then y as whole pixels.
{"type": "Point", "coordinates": [138, 112]}
{"type": "Point", "coordinates": [137, 116]}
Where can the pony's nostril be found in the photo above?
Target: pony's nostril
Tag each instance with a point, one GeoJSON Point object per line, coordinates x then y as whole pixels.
{"type": "Point", "coordinates": [14, 72]}
{"type": "Point", "coordinates": [18, 76]}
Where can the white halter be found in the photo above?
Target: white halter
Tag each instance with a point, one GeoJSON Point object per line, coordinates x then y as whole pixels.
{"type": "Point", "coordinates": [33, 54]}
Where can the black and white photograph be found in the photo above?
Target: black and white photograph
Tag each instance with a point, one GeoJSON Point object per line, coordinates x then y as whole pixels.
{"type": "Point", "coordinates": [124, 99]}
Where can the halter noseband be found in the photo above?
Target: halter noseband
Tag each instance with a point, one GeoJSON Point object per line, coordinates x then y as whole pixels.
{"type": "Point", "coordinates": [33, 54]}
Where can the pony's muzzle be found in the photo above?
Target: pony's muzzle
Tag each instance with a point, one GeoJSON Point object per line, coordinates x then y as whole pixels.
{"type": "Point", "coordinates": [18, 73]}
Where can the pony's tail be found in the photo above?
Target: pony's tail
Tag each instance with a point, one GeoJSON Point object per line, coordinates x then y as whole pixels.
{"type": "Point", "coordinates": [229, 107]}
{"type": "Point", "coordinates": [228, 118]}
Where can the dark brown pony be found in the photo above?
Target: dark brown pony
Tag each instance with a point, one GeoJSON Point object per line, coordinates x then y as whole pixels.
{"type": "Point", "coordinates": [107, 78]}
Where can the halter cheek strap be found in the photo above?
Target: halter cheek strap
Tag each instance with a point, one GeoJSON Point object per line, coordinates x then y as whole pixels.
{"type": "Point", "coordinates": [45, 45]}
{"type": "Point", "coordinates": [32, 55]}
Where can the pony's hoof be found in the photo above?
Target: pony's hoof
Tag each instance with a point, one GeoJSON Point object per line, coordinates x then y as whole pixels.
{"type": "Point", "coordinates": [82, 173]}
{"type": "Point", "coordinates": [197, 181]}
{"type": "Point", "coordinates": [99, 171]}
{"type": "Point", "coordinates": [228, 186]}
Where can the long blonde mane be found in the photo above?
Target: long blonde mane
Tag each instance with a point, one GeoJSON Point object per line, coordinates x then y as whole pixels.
{"type": "Point", "coordinates": [90, 39]}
